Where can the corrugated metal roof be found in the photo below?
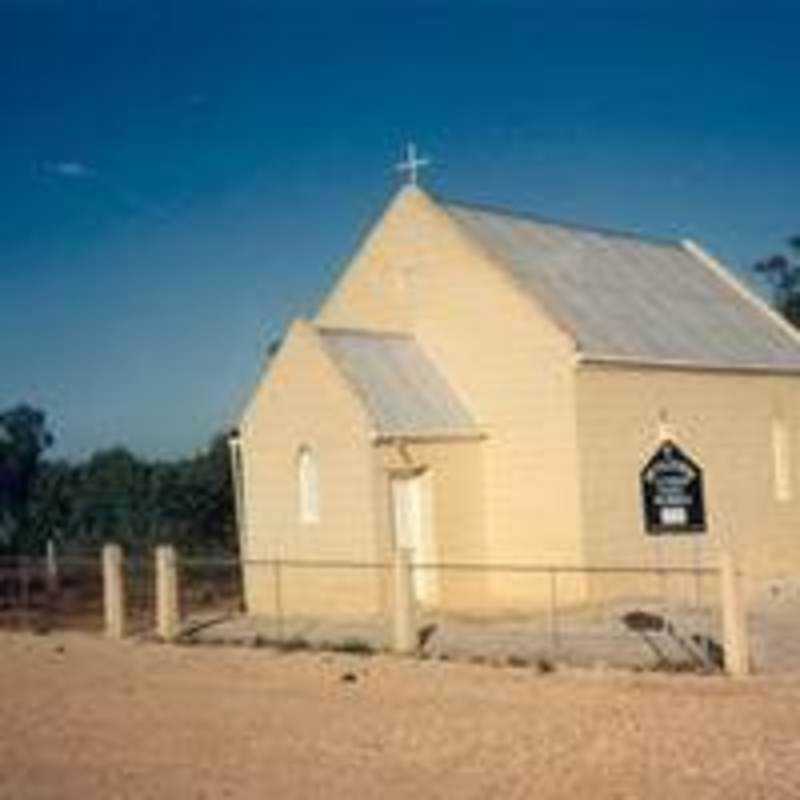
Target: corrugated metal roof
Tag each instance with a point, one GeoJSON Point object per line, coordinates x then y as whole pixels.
{"type": "Point", "coordinates": [403, 390]}
{"type": "Point", "coordinates": [632, 298]}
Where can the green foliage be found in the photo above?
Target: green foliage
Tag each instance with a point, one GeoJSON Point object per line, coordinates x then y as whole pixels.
{"type": "Point", "coordinates": [23, 439]}
{"type": "Point", "coordinates": [783, 274]}
{"type": "Point", "coordinates": [114, 495]}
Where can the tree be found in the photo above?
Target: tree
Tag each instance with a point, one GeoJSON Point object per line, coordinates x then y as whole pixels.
{"type": "Point", "coordinates": [195, 499]}
{"type": "Point", "coordinates": [51, 512]}
{"type": "Point", "coordinates": [23, 439]}
{"type": "Point", "coordinates": [783, 273]}
{"type": "Point", "coordinates": [113, 495]}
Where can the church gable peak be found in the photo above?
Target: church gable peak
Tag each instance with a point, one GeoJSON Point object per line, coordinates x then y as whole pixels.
{"type": "Point", "coordinates": [373, 290]}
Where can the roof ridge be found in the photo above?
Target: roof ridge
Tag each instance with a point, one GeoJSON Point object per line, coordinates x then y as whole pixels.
{"type": "Point", "coordinates": [375, 334]}
{"type": "Point", "coordinates": [530, 216]}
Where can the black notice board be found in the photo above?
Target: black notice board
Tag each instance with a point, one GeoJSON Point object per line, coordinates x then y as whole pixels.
{"type": "Point", "coordinates": [672, 493]}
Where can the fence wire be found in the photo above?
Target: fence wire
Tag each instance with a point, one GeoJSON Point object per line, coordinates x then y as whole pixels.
{"type": "Point", "coordinates": [617, 616]}
{"type": "Point", "coordinates": [139, 577]}
{"type": "Point", "coordinates": [626, 617]}
{"type": "Point", "coordinates": [209, 590]}
{"type": "Point", "coordinates": [38, 595]}
{"type": "Point", "coordinates": [773, 622]}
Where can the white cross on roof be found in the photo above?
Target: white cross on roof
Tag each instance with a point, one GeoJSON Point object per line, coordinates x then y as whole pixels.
{"type": "Point", "coordinates": [412, 164]}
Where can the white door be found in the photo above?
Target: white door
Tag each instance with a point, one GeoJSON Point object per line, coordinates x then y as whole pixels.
{"type": "Point", "coordinates": [413, 528]}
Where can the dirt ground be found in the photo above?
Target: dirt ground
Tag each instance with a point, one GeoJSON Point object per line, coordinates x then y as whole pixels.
{"type": "Point", "coordinates": [81, 717]}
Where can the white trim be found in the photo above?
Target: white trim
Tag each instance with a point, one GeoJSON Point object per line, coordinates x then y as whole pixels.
{"type": "Point", "coordinates": [689, 366]}
{"type": "Point", "coordinates": [721, 272]}
{"type": "Point", "coordinates": [411, 497]}
{"type": "Point", "coordinates": [236, 457]}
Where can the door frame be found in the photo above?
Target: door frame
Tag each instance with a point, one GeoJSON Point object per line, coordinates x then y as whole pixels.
{"type": "Point", "coordinates": [414, 487]}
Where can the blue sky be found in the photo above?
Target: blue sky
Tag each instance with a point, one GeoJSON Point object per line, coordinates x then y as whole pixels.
{"type": "Point", "coordinates": [181, 179]}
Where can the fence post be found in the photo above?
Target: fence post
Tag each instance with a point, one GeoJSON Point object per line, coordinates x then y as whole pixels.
{"type": "Point", "coordinates": [25, 583]}
{"type": "Point", "coordinates": [276, 575]}
{"type": "Point", "coordinates": [403, 632]}
{"type": "Point", "coordinates": [167, 613]}
{"type": "Point", "coordinates": [734, 617]}
{"type": "Point", "coordinates": [113, 591]}
{"type": "Point", "coordinates": [52, 568]}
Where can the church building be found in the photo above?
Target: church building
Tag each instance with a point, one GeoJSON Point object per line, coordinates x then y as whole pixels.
{"type": "Point", "coordinates": [486, 387]}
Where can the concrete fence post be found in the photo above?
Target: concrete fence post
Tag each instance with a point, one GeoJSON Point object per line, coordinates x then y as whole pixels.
{"type": "Point", "coordinates": [113, 591]}
{"type": "Point", "coordinates": [403, 628]}
{"type": "Point", "coordinates": [734, 617]}
{"type": "Point", "coordinates": [167, 612]}
{"type": "Point", "coordinates": [52, 567]}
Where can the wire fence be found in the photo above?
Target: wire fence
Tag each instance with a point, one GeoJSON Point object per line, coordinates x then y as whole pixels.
{"type": "Point", "coordinates": [669, 618]}
{"type": "Point", "coordinates": [140, 592]}
{"type": "Point", "coordinates": [210, 591]}
{"type": "Point", "coordinates": [36, 594]}
{"type": "Point", "coordinates": [664, 617]}
{"type": "Point", "coordinates": [615, 616]}
{"type": "Point", "coordinates": [773, 623]}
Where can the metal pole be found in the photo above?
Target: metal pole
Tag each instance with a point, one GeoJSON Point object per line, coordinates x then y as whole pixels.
{"type": "Point", "coordinates": [278, 600]}
{"type": "Point", "coordinates": [25, 587]}
{"type": "Point", "coordinates": [698, 578]}
{"type": "Point", "coordinates": [553, 617]}
{"type": "Point", "coordinates": [662, 573]}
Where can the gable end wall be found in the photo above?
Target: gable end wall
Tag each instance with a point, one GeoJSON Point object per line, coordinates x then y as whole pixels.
{"type": "Point", "coordinates": [512, 366]}
{"type": "Point", "coordinates": [305, 401]}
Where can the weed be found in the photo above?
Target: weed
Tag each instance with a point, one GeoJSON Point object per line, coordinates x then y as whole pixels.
{"type": "Point", "coordinates": [293, 644]}
{"type": "Point", "coordinates": [545, 666]}
{"type": "Point", "coordinates": [354, 646]}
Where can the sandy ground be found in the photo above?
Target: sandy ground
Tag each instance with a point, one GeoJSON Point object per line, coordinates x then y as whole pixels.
{"type": "Point", "coordinates": [81, 717]}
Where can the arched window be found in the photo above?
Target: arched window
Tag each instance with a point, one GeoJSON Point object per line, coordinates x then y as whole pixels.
{"type": "Point", "coordinates": [307, 485]}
